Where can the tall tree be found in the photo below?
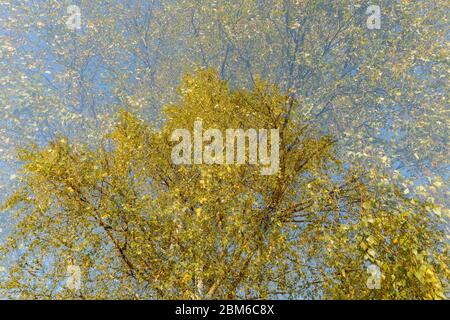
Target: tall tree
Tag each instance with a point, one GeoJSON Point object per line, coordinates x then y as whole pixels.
{"type": "Point", "coordinates": [139, 226]}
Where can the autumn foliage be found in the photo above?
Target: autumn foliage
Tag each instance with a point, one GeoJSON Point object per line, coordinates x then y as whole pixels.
{"type": "Point", "coordinates": [141, 227]}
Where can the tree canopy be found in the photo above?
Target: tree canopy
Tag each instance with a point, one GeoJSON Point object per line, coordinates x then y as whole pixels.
{"type": "Point", "coordinates": [139, 226]}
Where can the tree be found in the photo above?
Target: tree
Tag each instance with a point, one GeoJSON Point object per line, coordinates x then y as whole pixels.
{"type": "Point", "coordinates": [382, 92]}
{"type": "Point", "coordinates": [139, 226]}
